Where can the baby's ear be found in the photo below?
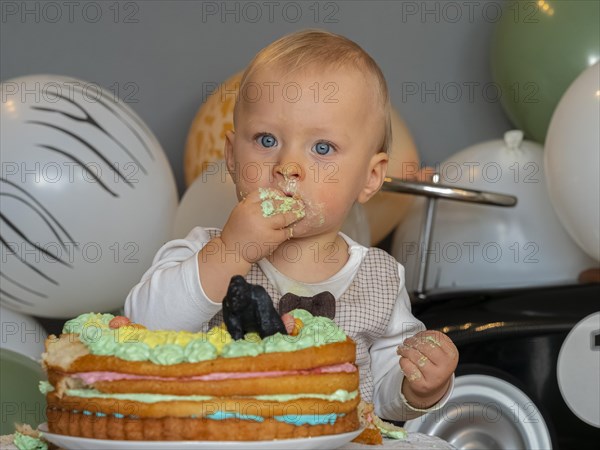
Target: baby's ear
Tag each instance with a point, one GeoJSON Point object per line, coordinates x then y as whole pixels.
{"type": "Point", "coordinates": [228, 153]}
{"type": "Point", "coordinates": [376, 174]}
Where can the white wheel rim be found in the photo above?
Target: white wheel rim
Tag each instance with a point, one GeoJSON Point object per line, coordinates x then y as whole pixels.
{"type": "Point", "coordinates": [486, 412]}
{"type": "Point", "coordinates": [578, 370]}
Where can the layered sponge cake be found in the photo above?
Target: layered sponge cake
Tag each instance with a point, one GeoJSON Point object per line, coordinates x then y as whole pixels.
{"type": "Point", "coordinates": [111, 379]}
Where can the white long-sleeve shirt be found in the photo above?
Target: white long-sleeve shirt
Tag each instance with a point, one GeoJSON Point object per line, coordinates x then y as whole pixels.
{"type": "Point", "coordinates": [170, 296]}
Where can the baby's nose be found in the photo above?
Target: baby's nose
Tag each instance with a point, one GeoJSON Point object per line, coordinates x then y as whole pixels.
{"type": "Point", "coordinates": [290, 170]}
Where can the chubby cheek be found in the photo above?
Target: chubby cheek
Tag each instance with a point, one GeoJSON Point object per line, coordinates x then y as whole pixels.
{"type": "Point", "coordinates": [315, 217]}
{"type": "Point", "coordinates": [323, 210]}
{"type": "Point", "coordinates": [251, 175]}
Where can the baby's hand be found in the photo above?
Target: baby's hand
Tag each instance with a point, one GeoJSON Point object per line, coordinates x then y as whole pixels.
{"type": "Point", "coordinates": [260, 222]}
{"type": "Point", "coordinates": [428, 362]}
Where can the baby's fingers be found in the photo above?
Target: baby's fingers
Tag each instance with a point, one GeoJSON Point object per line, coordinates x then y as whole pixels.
{"type": "Point", "coordinates": [283, 220]}
{"type": "Point", "coordinates": [412, 354]}
{"type": "Point", "coordinates": [424, 376]}
{"type": "Point", "coordinates": [411, 370]}
{"type": "Point", "coordinates": [435, 345]}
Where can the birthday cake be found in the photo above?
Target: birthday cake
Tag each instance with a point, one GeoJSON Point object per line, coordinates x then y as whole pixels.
{"type": "Point", "coordinates": [109, 378]}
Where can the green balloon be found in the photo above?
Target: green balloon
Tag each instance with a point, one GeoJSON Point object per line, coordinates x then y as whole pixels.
{"type": "Point", "coordinates": [538, 49]}
{"type": "Point", "coordinates": [20, 398]}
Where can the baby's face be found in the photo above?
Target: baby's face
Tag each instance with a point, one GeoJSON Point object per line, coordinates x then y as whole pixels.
{"type": "Point", "coordinates": [312, 135]}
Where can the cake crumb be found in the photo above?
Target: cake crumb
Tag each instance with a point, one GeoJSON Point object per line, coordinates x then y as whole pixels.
{"type": "Point", "coordinates": [26, 438]}
{"type": "Point", "coordinates": [375, 428]}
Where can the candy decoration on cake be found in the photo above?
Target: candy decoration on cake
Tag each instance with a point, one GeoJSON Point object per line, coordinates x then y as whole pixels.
{"type": "Point", "coordinates": [248, 308]}
{"type": "Point", "coordinates": [321, 304]}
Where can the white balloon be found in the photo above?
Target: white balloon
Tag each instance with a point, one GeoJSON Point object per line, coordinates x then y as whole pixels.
{"type": "Point", "coordinates": [88, 196]}
{"type": "Point", "coordinates": [21, 333]}
{"type": "Point", "coordinates": [475, 246]}
{"type": "Point", "coordinates": [207, 202]}
{"type": "Point", "coordinates": [211, 197]}
{"type": "Point", "coordinates": [572, 160]}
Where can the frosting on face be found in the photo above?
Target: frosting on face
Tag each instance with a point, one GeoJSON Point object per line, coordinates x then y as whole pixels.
{"type": "Point", "coordinates": [133, 342]}
{"type": "Point", "coordinates": [273, 202]}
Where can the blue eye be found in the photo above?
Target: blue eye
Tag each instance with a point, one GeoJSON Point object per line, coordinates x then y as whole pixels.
{"type": "Point", "coordinates": [322, 148]}
{"type": "Point", "coordinates": [267, 140]}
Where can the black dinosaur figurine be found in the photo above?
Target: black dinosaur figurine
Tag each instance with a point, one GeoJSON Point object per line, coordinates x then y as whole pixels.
{"type": "Point", "coordinates": [249, 308]}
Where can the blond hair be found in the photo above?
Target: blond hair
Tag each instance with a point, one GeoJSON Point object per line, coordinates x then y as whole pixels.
{"type": "Point", "coordinates": [307, 48]}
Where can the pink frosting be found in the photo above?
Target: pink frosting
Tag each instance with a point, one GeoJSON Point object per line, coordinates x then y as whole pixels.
{"type": "Point", "coordinates": [92, 377]}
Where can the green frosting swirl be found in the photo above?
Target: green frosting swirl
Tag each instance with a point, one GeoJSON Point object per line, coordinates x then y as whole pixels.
{"type": "Point", "coordinates": [76, 325]}
{"type": "Point", "coordinates": [133, 351]}
{"type": "Point", "coordinates": [284, 343]}
{"type": "Point", "coordinates": [100, 342]}
{"type": "Point", "coordinates": [199, 350]}
{"type": "Point", "coordinates": [94, 331]}
{"type": "Point", "coordinates": [322, 331]}
{"type": "Point", "coordinates": [316, 331]}
{"type": "Point", "coordinates": [241, 348]}
{"type": "Point", "coordinates": [167, 354]}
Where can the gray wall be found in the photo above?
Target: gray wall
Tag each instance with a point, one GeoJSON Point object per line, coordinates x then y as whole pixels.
{"type": "Point", "coordinates": [161, 55]}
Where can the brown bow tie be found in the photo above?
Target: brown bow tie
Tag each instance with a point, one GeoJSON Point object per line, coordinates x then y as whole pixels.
{"type": "Point", "coordinates": [322, 304]}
